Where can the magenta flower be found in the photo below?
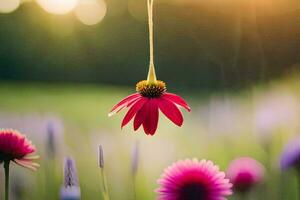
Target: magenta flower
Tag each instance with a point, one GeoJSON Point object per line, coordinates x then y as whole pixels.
{"type": "Point", "coordinates": [244, 173]}
{"type": "Point", "coordinates": [17, 148]}
{"type": "Point", "coordinates": [193, 180]}
{"type": "Point", "coordinates": [144, 106]}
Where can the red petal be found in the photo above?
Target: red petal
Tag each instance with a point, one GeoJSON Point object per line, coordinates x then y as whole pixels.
{"type": "Point", "coordinates": [151, 118]}
{"type": "Point", "coordinates": [123, 103]}
{"type": "Point", "coordinates": [139, 117]}
{"type": "Point", "coordinates": [133, 110]}
{"type": "Point", "coordinates": [176, 99]}
{"type": "Point", "coordinates": [171, 111]}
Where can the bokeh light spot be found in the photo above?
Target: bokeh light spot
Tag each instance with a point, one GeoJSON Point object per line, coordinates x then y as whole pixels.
{"type": "Point", "coordinates": [91, 12]}
{"type": "Point", "coordinates": [59, 7]}
{"type": "Point", "coordinates": [8, 6]}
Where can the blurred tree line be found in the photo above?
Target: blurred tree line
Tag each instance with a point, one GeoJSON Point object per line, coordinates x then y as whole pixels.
{"type": "Point", "coordinates": [198, 44]}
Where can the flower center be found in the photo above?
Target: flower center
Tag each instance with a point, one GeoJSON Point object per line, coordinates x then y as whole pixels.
{"type": "Point", "coordinates": [244, 181]}
{"type": "Point", "coordinates": [193, 191]}
{"type": "Point", "coordinates": [151, 90]}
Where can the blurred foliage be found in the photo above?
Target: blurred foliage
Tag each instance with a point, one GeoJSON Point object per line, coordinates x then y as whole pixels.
{"type": "Point", "coordinates": [203, 44]}
{"type": "Point", "coordinates": [220, 127]}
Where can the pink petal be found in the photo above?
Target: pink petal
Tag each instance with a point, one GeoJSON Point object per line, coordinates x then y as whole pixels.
{"type": "Point", "coordinates": [28, 165]}
{"type": "Point", "coordinates": [123, 103]}
{"type": "Point", "coordinates": [176, 99]}
{"type": "Point", "coordinates": [171, 111]}
{"type": "Point", "coordinates": [133, 110]}
{"type": "Point", "coordinates": [151, 119]}
{"type": "Point", "coordinates": [139, 117]}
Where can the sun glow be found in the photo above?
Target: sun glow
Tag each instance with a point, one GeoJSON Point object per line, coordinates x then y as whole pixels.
{"type": "Point", "coordinates": [59, 7]}
{"type": "Point", "coordinates": [8, 6]}
{"type": "Point", "coordinates": [90, 12]}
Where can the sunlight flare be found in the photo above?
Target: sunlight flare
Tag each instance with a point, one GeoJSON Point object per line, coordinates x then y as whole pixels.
{"type": "Point", "coordinates": [90, 12]}
{"type": "Point", "coordinates": [8, 6]}
{"type": "Point", "coordinates": [59, 7]}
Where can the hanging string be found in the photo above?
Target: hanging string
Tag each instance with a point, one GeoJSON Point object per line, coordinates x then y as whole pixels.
{"type": "Point", "coordinates": [150, 23]}
{"type": "Point", "coordinates": [151, 74]}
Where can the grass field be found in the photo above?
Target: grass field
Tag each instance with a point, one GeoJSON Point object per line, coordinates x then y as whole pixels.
{"type": "Point", "coordinates": [220, 127]}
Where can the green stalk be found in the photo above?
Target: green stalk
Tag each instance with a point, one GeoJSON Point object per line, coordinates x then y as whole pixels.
{"type": "Point", "coordinates": [134, 187]}
{"type": "Point", "coordinates": [6, 171]}
{"type": "Point", "coordinates": [298, 185]}
{"type": "Point", "coordinates": [104, 184]}
{"type": "Point", "coordinates": [151, 73]}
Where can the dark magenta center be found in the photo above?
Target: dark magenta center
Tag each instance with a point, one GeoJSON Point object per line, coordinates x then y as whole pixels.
{"type": "Point", "coordinates": [193, 191]}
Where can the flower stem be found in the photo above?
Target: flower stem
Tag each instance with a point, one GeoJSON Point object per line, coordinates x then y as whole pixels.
{"type": "Point", "coordinates": [151, 73]}
{"type": "Point", "coordinates": [134, 187]}
{"type": "Point", "coordinates": [298, 186]}
{"type": "Point", "coordinates": [6, 171]}
{"type": "Point", "coordinates": [104, 184]}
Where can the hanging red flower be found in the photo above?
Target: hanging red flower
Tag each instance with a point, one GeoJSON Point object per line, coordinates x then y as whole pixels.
{"type": "Point", "coordinates": [151, 97]}
{"type": "Point", "coordinates": [144, 106]}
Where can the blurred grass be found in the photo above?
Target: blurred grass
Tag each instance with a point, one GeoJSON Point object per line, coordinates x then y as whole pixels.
{"type": "Point", "coordinates": [84, 109]}
{"type": "Point", "coordinates": [83, 104]}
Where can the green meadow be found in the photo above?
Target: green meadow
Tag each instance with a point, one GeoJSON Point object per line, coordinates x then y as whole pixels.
{"type": "Point", "coordinates": [220, 127]}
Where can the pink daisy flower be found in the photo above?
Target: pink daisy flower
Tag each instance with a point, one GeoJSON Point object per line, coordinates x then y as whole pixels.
{"type": "Point", "coordinates": [17, 148]}
{"type": "Point", "coordinates": [244, 173]}
{"type": "Point", "coordinates": [193, 180]}
{"type": "Point", "coordinates": [144, 106]}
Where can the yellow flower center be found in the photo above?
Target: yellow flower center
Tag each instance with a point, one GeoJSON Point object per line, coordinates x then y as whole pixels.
{"type": "Point", "coordinates": [151, 90]}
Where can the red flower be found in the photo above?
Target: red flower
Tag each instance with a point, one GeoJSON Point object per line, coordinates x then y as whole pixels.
{"type": "Point", "coordinates": [17, 148]}
{"type": "Point", "coordinates": [144, 106]}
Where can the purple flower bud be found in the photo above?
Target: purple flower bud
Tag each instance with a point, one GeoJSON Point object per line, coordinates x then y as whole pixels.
{"type": "Point", "coordinates": [70, 173]}
{"type": "Point", "coordinates": [135, 158]}
{"type": "Point", "coordinates": [70, 193]}
{"type": "Point", "coordinates": [101, 157]}
{"type": "Point", "coordinates": [290, 157]}
{"type": "Point", "coordinates": [70, 190]}
{"type": "Point", "coordinates": [51, 140]}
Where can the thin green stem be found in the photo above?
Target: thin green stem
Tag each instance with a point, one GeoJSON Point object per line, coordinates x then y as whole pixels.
{"type": "Point", "coordinates": [150, 24]}
{"type": "Point", "coordinates": [104, 185]}
{"type": "Point", "coordinates": [134, 187]}
{"type": "Point", "coordinates": [6, 171]}
{"type": "Point", "coordinates": [298, 185]}
{"type": "Point", "coordinates": [151, 73]}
